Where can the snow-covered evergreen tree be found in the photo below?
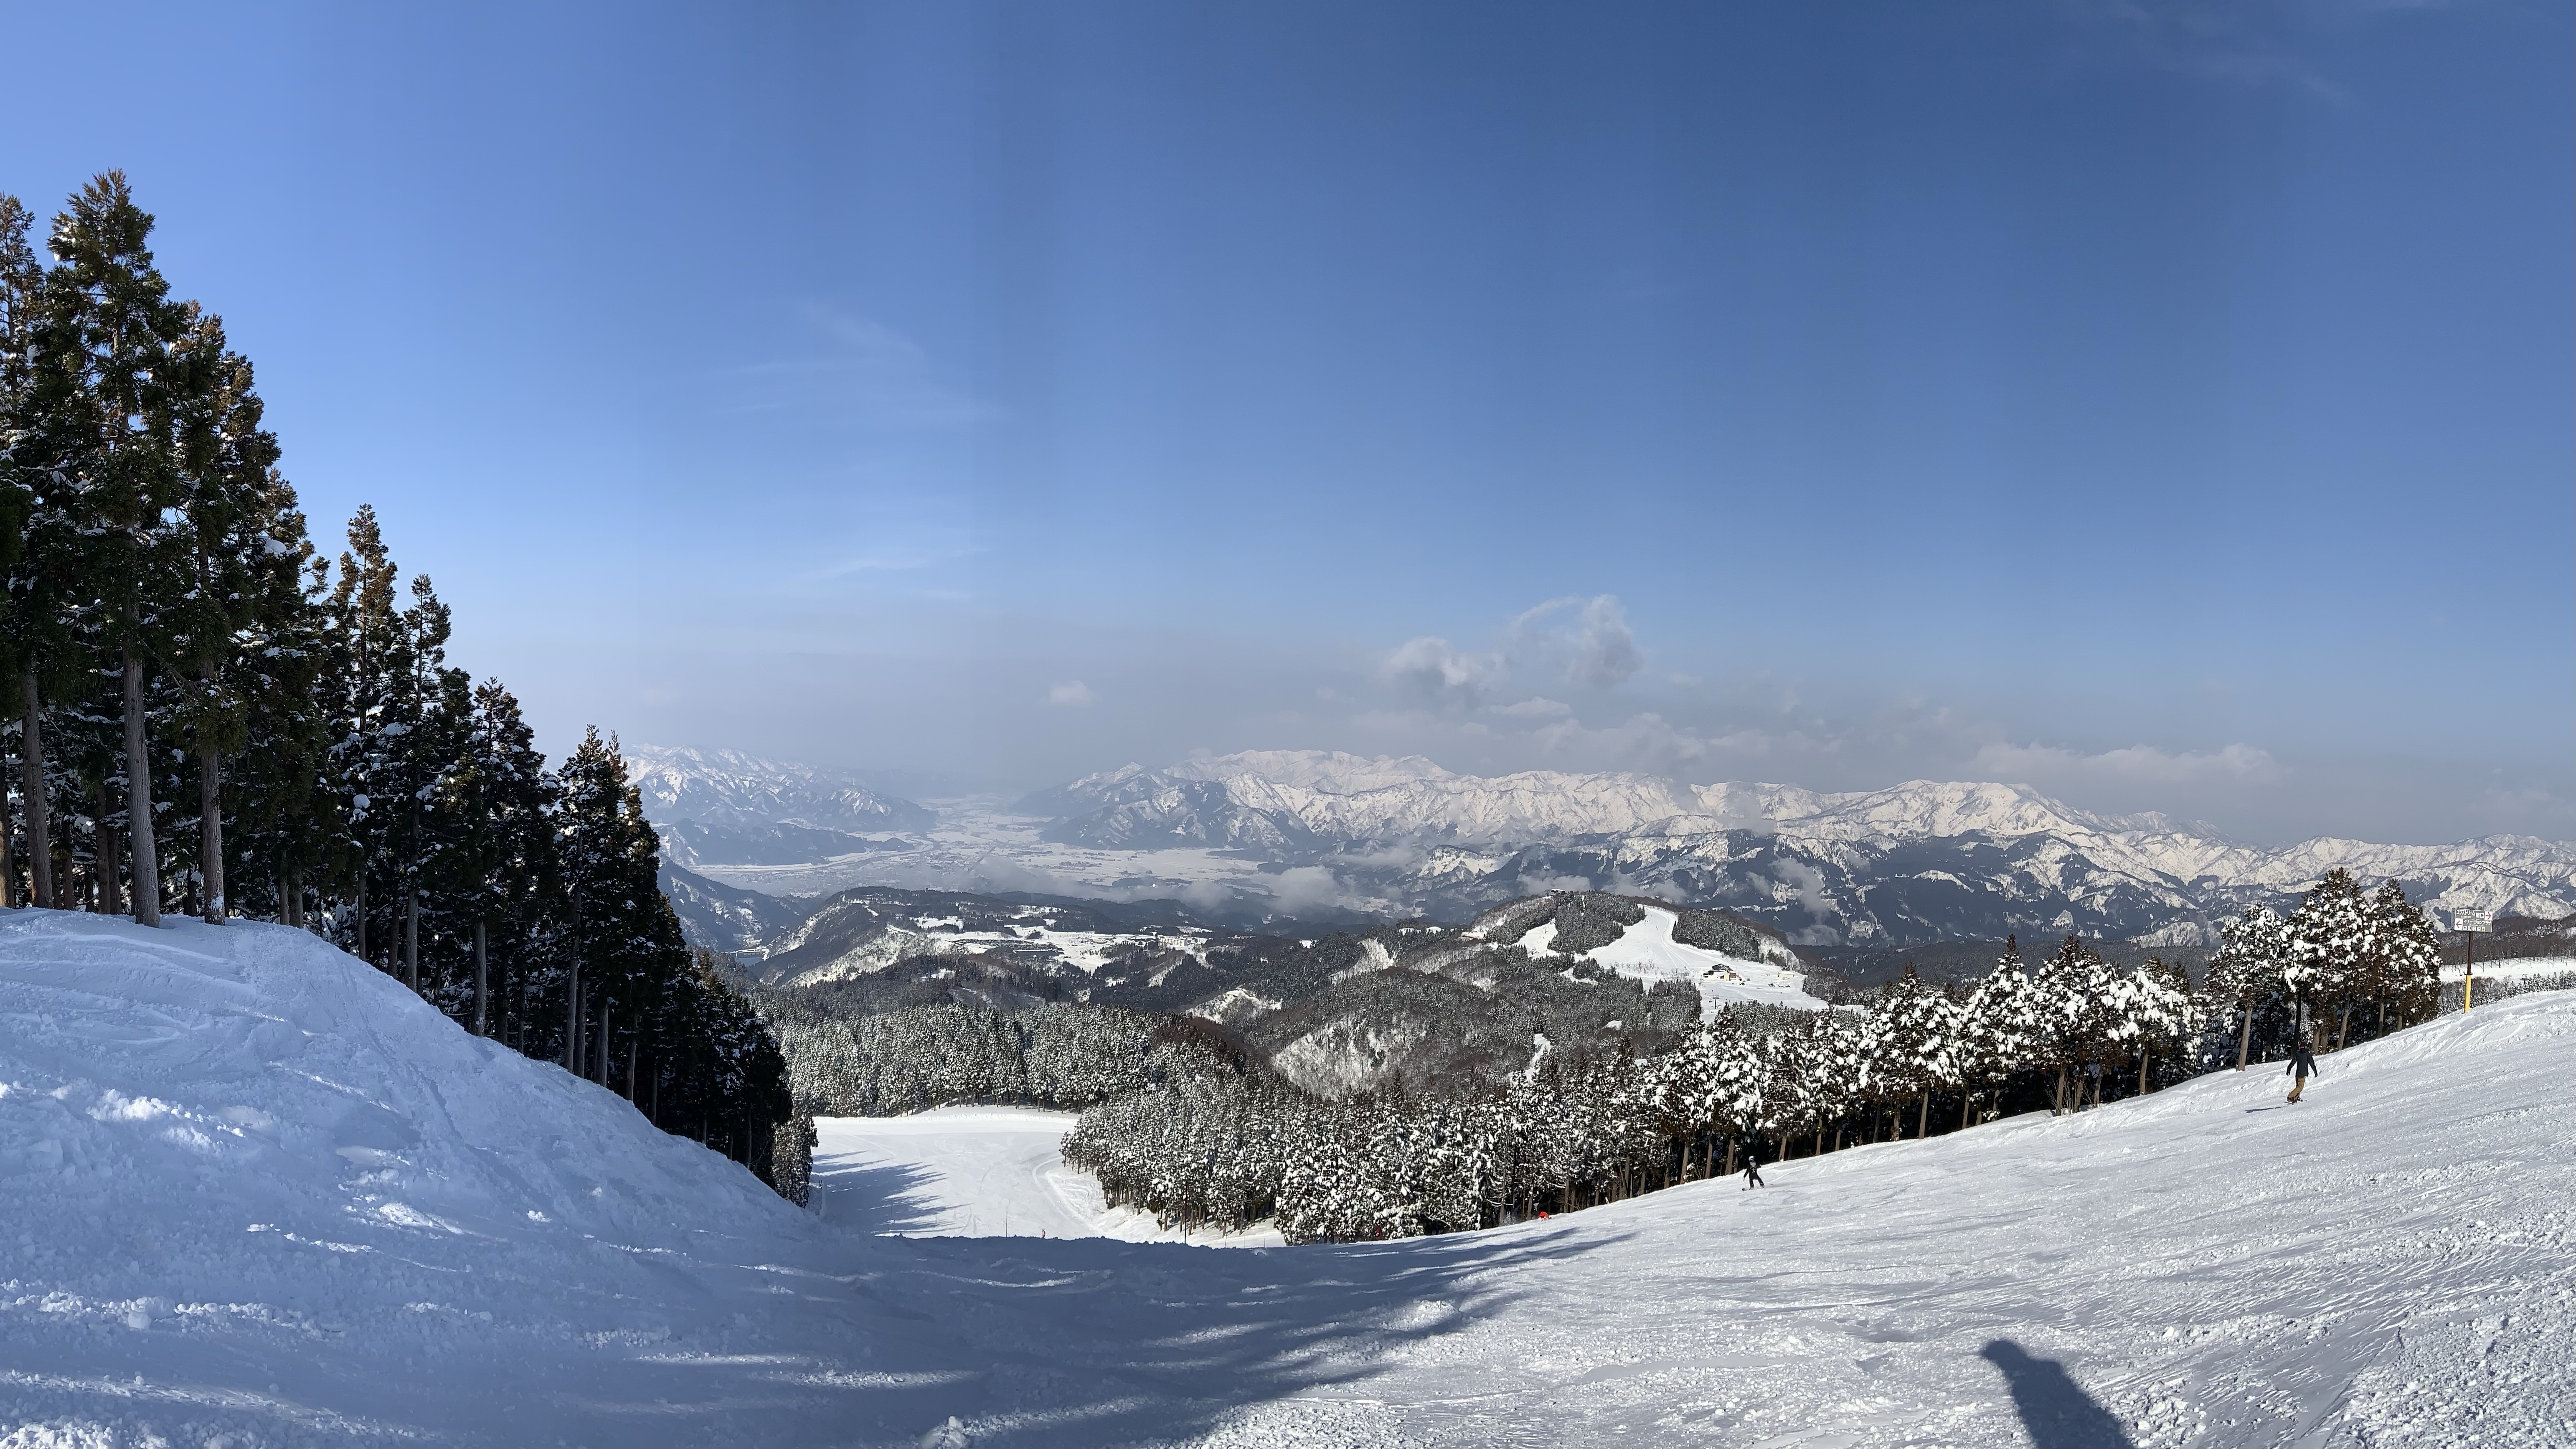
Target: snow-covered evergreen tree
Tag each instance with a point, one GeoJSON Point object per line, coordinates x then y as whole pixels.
{"type": "Point", "coordinates": [2330, 954]}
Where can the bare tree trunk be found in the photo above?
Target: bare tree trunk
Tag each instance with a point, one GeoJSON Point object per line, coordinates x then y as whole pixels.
{"type": "Point", "coordinates": [2245, 1036]}
{"type": "Point", "coordinates": [634, 1052]}
{"type": "Point", "coordinates": [1923, 1119]}
{"type": "Point", "coordinates": [411, 939]}
{"type": "Point", "coordinates": [210, 834]}
{"type": "Point", "coordinates": [103, 899]}
{"type": "Point", "coordinates": [138, 800]}
{"type": "Point", "coordinates": [2142, 1071]}
{"type": "Point", "coordinates": [362, 912]}
{"type": "Point", "coordinates": [479, 993]}
{"type": "Point", "coordinates": [8, 876]}
{"type": "Point", "coordinates": [40, 840]}
{"type": "Point", "coordinates": [1965, 1099]}
{"type": "Point", "coordinates": [573, 1060]}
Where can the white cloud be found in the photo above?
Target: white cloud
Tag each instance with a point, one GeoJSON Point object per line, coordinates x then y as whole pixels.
{"type": "Point", "coordinates": [2239, 762]}
{"type": "Point", "coordinates": [1538, 707]}
{"type": "Point", "coordinates": [1594, 646]}
{"type": "Point", "coordinates": [1072, 694]}
{"type": "Point", "coordinates": [1446, 675]}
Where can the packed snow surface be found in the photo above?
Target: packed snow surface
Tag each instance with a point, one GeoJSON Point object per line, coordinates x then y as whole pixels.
{"type": "Point", "coordinates": [974, 1172]}
{"type": "Point", "coordinates": [258, 1194]}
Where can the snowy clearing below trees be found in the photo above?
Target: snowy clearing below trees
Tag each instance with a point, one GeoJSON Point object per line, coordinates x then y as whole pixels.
{"type": "Point", "coordinates": [258, 1193]}
{"type": "Point", "coordinates": [975, 1172]}
{"type": "Point", "coordinates": [1648, 952]}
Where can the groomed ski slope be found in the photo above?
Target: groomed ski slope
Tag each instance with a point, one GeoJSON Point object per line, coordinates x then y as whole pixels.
{"type": "Point", "coordinates": [975, 1172]}
{"type": "Point", "coordinates": [255, 1193]}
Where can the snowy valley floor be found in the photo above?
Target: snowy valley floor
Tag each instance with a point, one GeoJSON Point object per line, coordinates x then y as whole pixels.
{"type": "Point", "coordinates": [254, 1193]}
{"type": "Point", "coordinates": [976, 1172]}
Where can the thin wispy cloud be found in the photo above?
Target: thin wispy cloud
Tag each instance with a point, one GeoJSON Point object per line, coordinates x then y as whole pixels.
{"type": "Point", "coordinates": [894, 558]}
{"type": "Point", "coordinates": [859, 372]}
{"type": "Point", "coordinates": [2238, 762]}
{"type": "Point", "coordinates": [2242, 44]}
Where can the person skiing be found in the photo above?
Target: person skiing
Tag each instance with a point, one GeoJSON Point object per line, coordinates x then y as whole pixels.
{"type": "Point", "coordinates": [1753, 1172]}
{"type": "Point", "coordinates": [2303, 1065]}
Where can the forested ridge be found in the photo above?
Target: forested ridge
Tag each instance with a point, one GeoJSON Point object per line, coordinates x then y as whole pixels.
{"type": "Point", "coordinates": [208, 716]}
{"type": "Point", "coordinates": [1185, 1119]}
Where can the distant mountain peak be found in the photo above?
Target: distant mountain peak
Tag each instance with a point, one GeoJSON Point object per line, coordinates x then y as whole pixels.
{"type": "Point", "coordinates": [731, 788]}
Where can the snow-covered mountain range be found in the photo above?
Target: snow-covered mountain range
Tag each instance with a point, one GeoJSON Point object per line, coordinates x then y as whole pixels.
{"type": "Point", "coordinates": [1922, 860]}
{"type": "Point", "coordinates": [1271, 834]}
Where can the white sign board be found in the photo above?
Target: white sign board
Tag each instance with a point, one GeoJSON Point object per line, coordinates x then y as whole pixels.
{"type": "Point", "coordinates": [2472, 921]}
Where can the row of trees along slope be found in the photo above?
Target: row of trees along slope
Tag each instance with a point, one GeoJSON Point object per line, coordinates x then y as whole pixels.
{"type": "Point", "coordinates": [209, 717]}
{"type": "Point", "coordinates": [1227, 1147]}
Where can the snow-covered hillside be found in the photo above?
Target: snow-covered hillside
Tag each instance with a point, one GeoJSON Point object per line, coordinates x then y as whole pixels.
{"type": "Point", "coordinates": [258, 1194]}
{"type": "Point", "coordinates": [1648, 952]}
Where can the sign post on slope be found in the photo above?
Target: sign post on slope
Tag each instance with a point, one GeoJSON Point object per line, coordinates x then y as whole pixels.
{"type": "Point", "coordinates": [2468, 924]}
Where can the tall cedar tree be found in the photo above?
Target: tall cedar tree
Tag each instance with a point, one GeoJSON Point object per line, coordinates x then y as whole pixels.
{"type": "Point", "coordinates": [21, 278]}
{"type": "Point", "coordinates": [107, 390]}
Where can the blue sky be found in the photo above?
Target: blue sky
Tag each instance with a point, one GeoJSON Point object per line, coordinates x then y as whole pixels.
{"type": "Point", "coordinates": [2170, 406]}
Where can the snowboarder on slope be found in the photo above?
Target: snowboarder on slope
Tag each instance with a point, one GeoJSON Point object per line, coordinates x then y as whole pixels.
{"type": "Point", "coordinates": [2303, 1065]}
{"type": "Point", "coordinates": [1753, 1173]}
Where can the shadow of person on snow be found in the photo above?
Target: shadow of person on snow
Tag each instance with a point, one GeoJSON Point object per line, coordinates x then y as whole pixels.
{"type": "Point", "coordinates": [2055, 1410]}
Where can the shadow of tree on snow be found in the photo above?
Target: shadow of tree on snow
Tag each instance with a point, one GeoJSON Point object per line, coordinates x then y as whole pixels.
{"type": "Point", "coordinates": [876, 1197]}
{"type": "Point", "coordinates": [1095, 1342]}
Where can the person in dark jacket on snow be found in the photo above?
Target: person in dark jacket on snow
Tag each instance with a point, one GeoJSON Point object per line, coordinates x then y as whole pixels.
{"type": "Point", "coordinates": [2303, 1065]}
{"type": "Point", "coordinates": [1753, 1173]}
